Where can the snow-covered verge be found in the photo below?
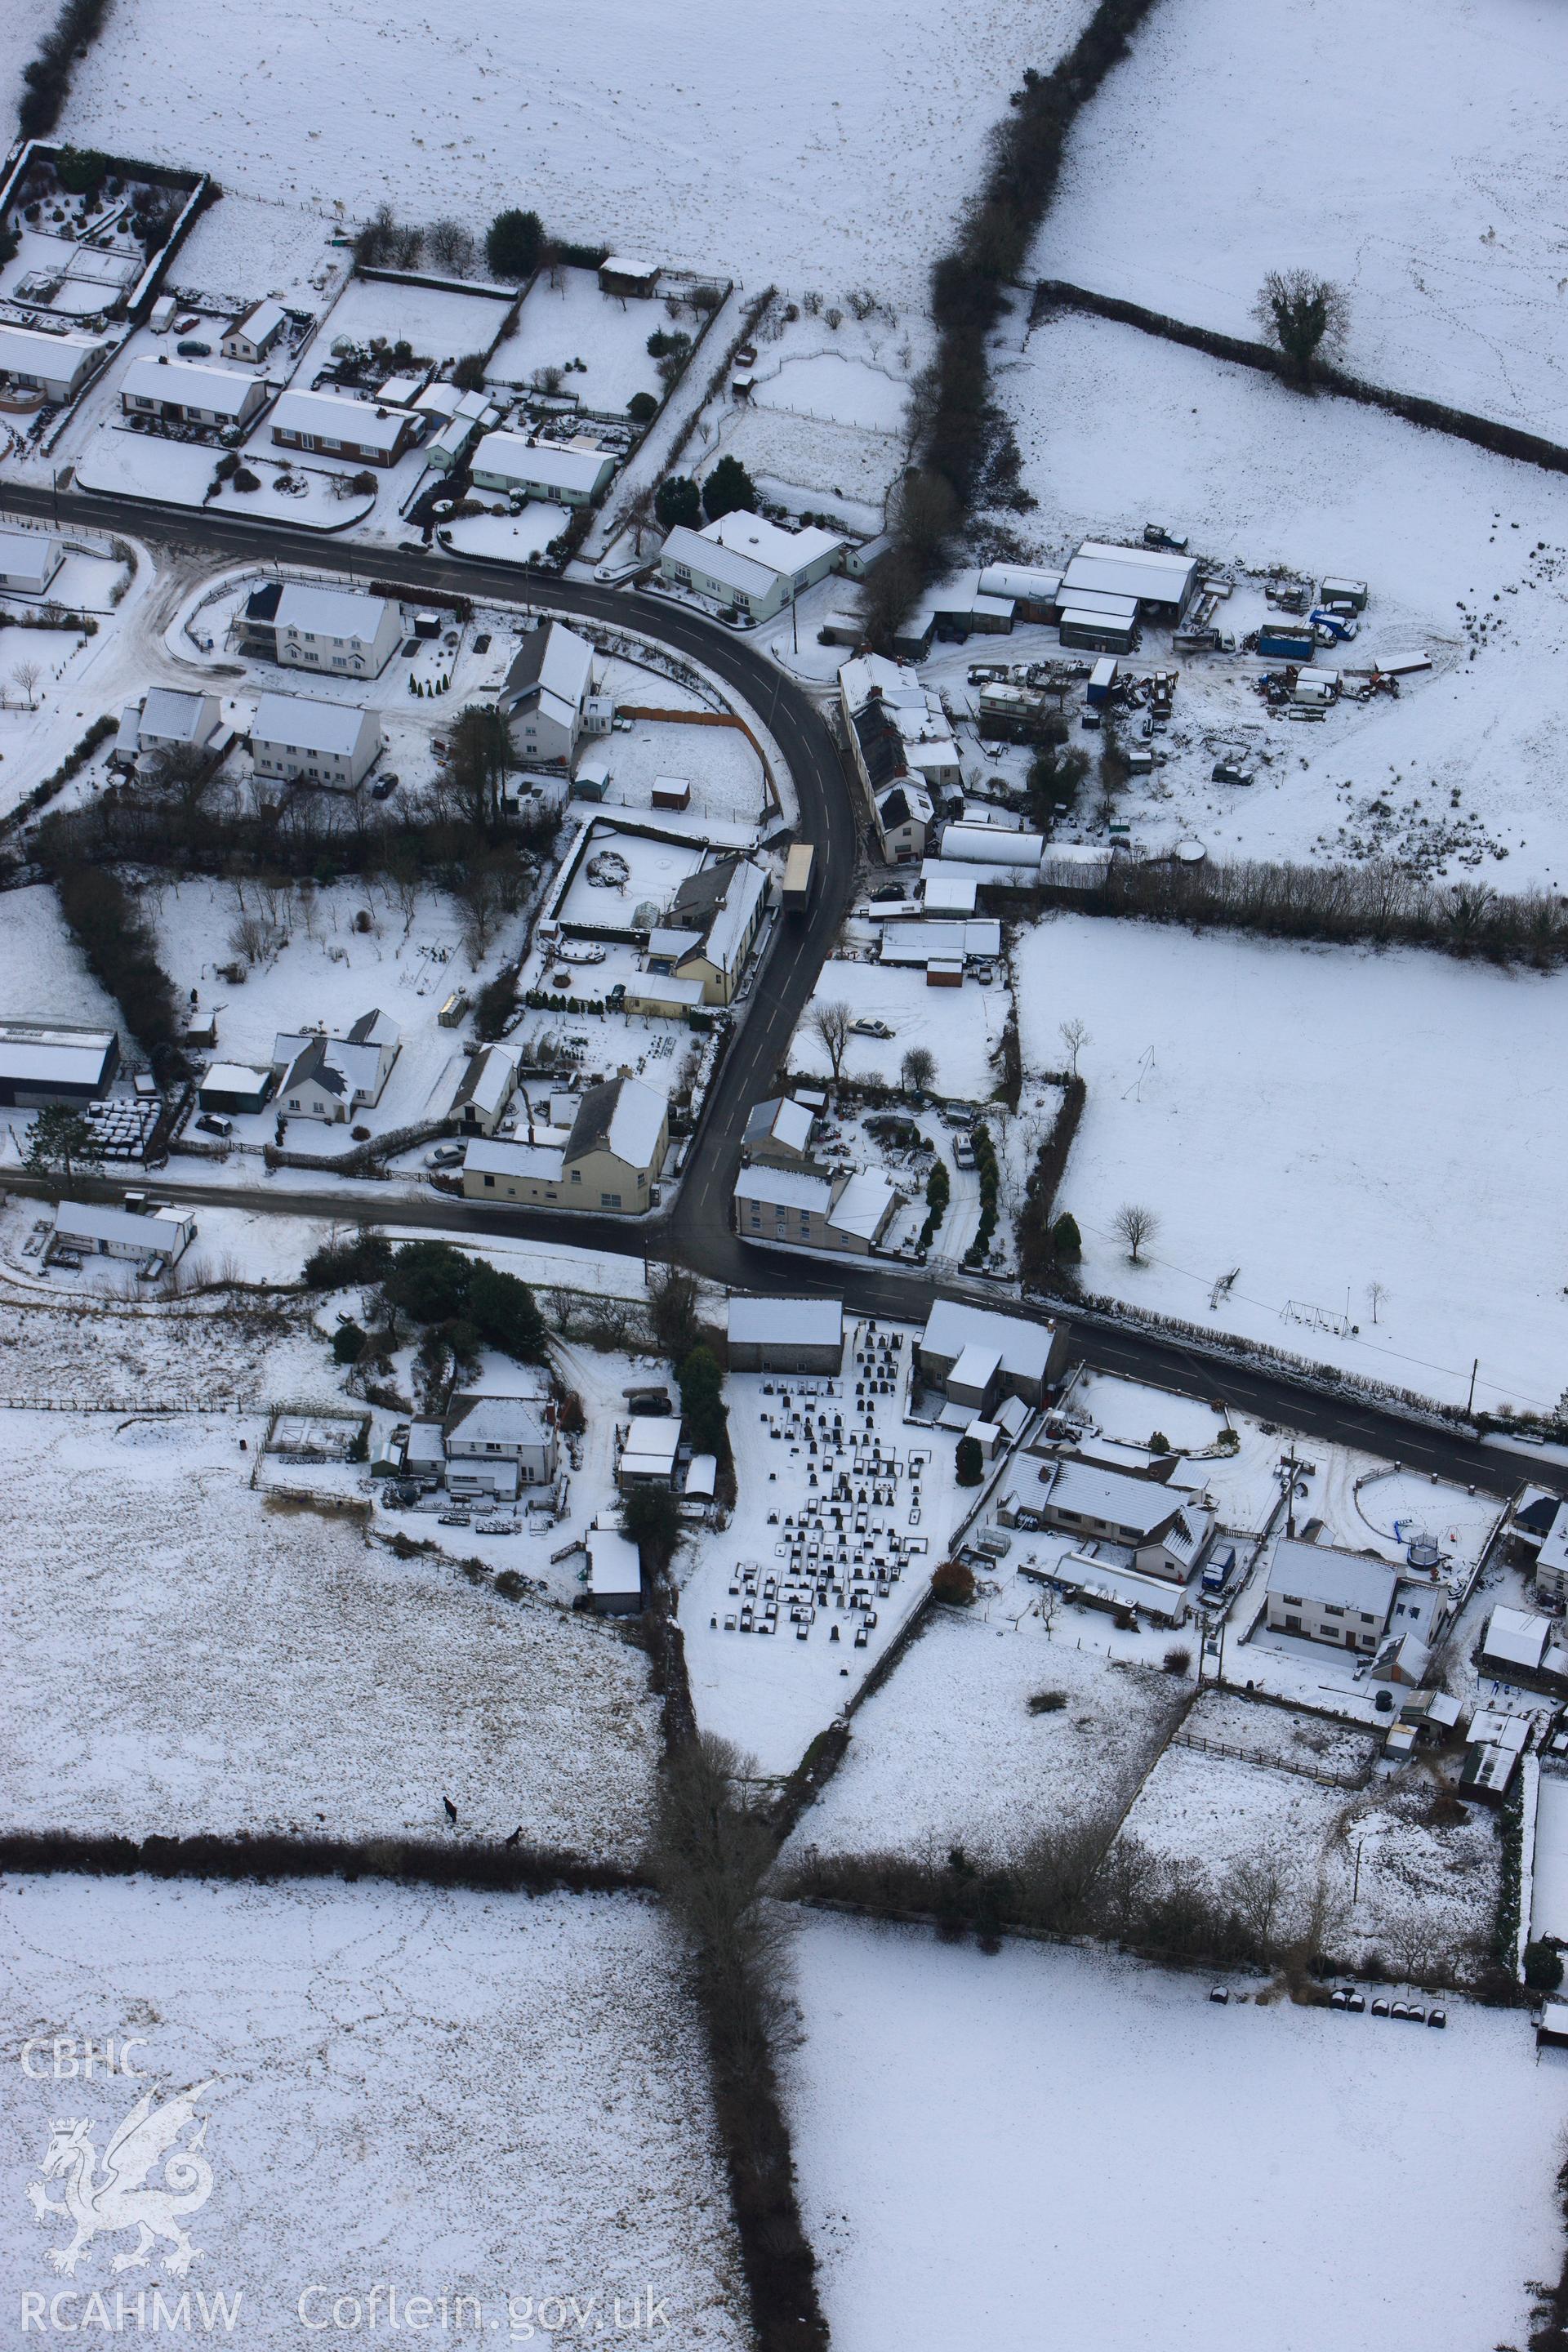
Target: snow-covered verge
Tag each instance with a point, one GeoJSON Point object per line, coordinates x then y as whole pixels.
{"type": "Point", "coordinates": [948, 1751]}
{"type": "Point", "coordinates": [1463, 553]}
{"type": "Point", "coordinates": [450, 2093]}
{"type": "Point", "coordinates": [1323, 1119]}
{"type": "Point", "coordinates": [1416, 160]}
{"type": "Point", "coordinates": [186, 1655]}
{"type": "Point", "coordinates": [821, 149]}
{"type": "Point", "coordinates": [942, 2099]}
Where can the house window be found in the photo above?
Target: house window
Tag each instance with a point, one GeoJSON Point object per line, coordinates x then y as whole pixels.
{"type": "Point", "coordinates": [576, 1175]}
{"type": "Point", "coordinates": [1291, 1600]}
{"type": "Point", "coordinates": [1333, 1609]}
{"type": "Point", "coordinates": [609, 1200]}
{"type": "Point", "coordinates": [1368, 1619]}
{"type": "Point", "coordinates": [490, 1184]}
{"type": "Point", "coordinates": [293, 1102]}
{"type": "Point", "coordinates": [1292, 1625]}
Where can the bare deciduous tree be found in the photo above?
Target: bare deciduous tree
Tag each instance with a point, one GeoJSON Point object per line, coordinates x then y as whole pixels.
{"type": "Point", "coordinates": [1376, 1292]}
{"type": "Point", "coordinates": [918, 1070]}
{"type": "Point", "coordinates": [26, 675]}
{"type": "Point", "coordinates": [829, 1025]}
{"type": "Point", "coordinates": [1134, 1224]}
{"type": "Point", "coordinates": [1306, 318]}
{"type": "Point", "coordinates": [1075, 1036]}
{"type": "Point", "coordinates": [450, 246]}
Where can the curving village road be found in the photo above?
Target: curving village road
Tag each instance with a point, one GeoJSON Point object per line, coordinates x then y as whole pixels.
{"type": "Point", "coordinates": [695, 1231]}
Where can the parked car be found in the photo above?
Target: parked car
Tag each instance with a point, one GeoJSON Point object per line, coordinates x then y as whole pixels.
{"type": "Point", "coordinates": [383, 788]}
{"type": "Point", "coordinates": [963, 1152]}
{"type": "Point", "coordinates": [984, 974]}
{"type": "Point", "coordinates": [867, 1028]}
{"type": "Point", "coordinates": [445, 1155]}
{"type": "Point", "coordinates": [191, 350]}
{"type": "Point", "coordinates": [211, 1123]}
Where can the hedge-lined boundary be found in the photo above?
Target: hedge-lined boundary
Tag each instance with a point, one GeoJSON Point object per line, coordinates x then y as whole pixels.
{"type": "Point", "coordinates": [1378, 905]}
{"type": "Point", "coordinates": [461, 1862]}
{"type": "Point", "coordinates": [46, 80]}
{"type": "Point", "coordinates": [960, 435]}
{"type": "Point", "coordinates": [121, 955]}
{"type": "Point", "coordinates": [71, 765]}
{"type": "Point", "coordinates": [1036, 1257]}
{"type": "Point", "coordinates": [1460, 424]}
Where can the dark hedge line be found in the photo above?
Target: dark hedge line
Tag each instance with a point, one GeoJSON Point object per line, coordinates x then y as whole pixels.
{"type": "Point", "coordinates": [962, 440]}
{"type": "Point", "coordinates": [1377, 905]}
{"type": "Point", "coordinates": [460, 1863]}
{"type": "Point", "coordinates": [1036, 1253]}
{"type": "Point", "coordinates": [46, 80]}
{"type": "Point", "coordinates": [106, 925]}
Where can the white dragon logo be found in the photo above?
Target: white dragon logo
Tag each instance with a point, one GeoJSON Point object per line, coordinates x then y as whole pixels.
{"type": "Point", "coordinates": [121, 2199]}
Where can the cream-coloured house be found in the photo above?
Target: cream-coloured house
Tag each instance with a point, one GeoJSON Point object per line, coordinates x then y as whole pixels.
{"type": "Point", "coordinates": [609, 1162]}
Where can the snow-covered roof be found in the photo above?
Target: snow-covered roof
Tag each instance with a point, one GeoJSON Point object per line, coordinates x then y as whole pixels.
{"type": "Point", "coordinates": [1515, 1637]}
{"type": "Point", "coordinates": [170, 716]}
{"type": "Point", "coordinates": [28, 555]}
{"type": "Point", "coordinates": [350, 1072]}
{"type": "Point", "coordinates": [477, 1422]}
{"type": "Point", "coordinates": [232, 1078]}
{"type": "Point", "coordinates": [989, 845]}
{"type": "Point", "coordinates": [784, 1188]}
{"type": "Point", "coordinates": [488, 1080]}
{"type": "Point", "coordinates": [554, 664]}
{"type": "Point", "coordinates": [1138, 1504]}
{"type": "Point", "coordinates": [541, 463]}
{"type": "Point", "coordinates": [1025, 1347]}
{"type": "Point", "coordinates": [725, 943]}
{"type": "Point", "coordinates": [782, 1120]}
{"type": "Point", "coordinates": [53, 1053]}
{"type": "Point", "coordinates": [703, 1476]}
{"type": "Point", "coordinates": [23, 351]}
{"type": "Point", "coordinates": [614, 1567]}
{"type": "Point", "coordinates": [621, 1116]}
{"type": "Point", "coordinates": [949, 894]}
{"type": "Point", "coordinates": [896, 683]}
{"type": "Point", "coordinates": [785, 551]}
{"type": "Point", "coordinates": [90, 1222]}
{"type": "Point", "coordinates": [315, 612]}
{"type": "Point", "coordinates": [652, 1443]}
{"type": "Point", "coordinates": [187, 382]}
{"type": "Point", "coordinates": [1553, 1552]}
{"type": "Point", "coordinates": [1334, 1578]}
{"type": "Point", "coordinates": [259, 325]}
{"type": "Point", "coordinates": [328, 415]}
{"type": "Point", "coordinates": [1097, 604]}
{"type": "Point", "coordinates": [977, 1367]}
{"type": "Point", "coordinates": [919, 943]}
{"type": "Point", "coordinates": [1149, 574]}
{"type": "Point", "coordinates": [485, 1158]}
{"type": "Point", "coordinates": [861, 1207]}
{"type": "Point", "coordinates": [732, 570]}
{"type": "Point", "coordinates": [1027, 584]}
{"type": "Point", "coordinates": [786, 1322]}
{"type": "Point", "coordinates": [296, 722]}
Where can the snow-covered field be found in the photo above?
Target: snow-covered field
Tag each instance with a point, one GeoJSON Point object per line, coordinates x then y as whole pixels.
{"type": "Point", "coordinates": [1323, 1119]}
{"type": "Point", "coordinates": [942, 2100]}
{"type": "Point", "coordinates": [1413, 159]}
{"type": "Point", "coordinates": [1466, 556]}
{"type": "Point", "coordinates": [184, 1657]}
{"type": "Point", "coordinates": [962, 1026]}
{"type": "Point", "coordinates": [816, 149]}
{"type": "Point", "coordinates": [947, 1751]}
{"type": "Point", "coordinates": [450, 2093]}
